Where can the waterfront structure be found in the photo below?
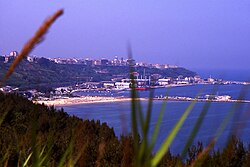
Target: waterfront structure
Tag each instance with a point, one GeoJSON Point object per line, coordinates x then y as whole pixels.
{"type": "Point", "coordinates": [182, 82]}
{"type": "Point", "coordinates": [108, 84]}
{"type": "Point", "coordinates": [164, 81]}
{"type": "Point", "coordinates": [122, 85]}
{"type": "Point", "coordinates": [211, 80]}
{"type": "Point", "coordinates": [197, 79]}
{"type": "Point", "coordinates": [223, 98]}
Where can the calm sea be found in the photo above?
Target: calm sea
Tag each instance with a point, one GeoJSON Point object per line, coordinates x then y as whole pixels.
{"type": "Point", "coordinates": [229, 74]}
{"type": "Point", "coordinates": [117, 114]}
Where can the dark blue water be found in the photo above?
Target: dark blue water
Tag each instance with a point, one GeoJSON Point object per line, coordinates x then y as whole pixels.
{"type": "Point", "coordinates": [229, 74]}
{"type": "Point", "coordinates": [187, 91]}
{"type": "Point", "coordinates": [117, 115]}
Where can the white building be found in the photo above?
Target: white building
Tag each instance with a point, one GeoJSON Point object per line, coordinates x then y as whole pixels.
{"type": "Point", "coordinates": [108, 84]}
{"type": "Point", "coordinates": [182, 82]}
{"type": "Point", "coordinates": [164, 81]}
{"type": "Point", "coordinates": [14, 53]}
{"type": "Point", "coordinates": [30, 58]}
{"type": "Point", "coordinates": [210, 79]}
{"type": "Point", "coordinates": [122, 85]}
{"type": "Point", "coordinates": [197, 78]}
{"type": "Point", "coordinates": [223, 98]}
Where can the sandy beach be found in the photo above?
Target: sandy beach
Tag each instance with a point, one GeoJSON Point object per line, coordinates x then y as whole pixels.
{"type": "Point", "coordinates": [82, 100]}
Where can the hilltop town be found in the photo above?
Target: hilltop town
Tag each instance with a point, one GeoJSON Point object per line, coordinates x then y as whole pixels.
{"type": "Point", "coordinates": [87, 61]}
{"type": "Point", "coordinates": [38, 77]}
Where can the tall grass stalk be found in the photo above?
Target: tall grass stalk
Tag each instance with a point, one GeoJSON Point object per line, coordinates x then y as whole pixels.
{"type": "Point", "coordinates": [37, 155]}
{"type": "Point", "coordinates": [230, 114]}
{"type": "Point", "coordinates": [36, 39]}
{"type": "Point", "coordinates": [169, 139]}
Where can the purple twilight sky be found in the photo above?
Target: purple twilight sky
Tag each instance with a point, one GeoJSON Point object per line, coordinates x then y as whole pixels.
{"type": "Point", "coordinates": [209, 34]}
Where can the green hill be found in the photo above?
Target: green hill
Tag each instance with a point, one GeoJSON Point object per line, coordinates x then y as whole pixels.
{"type": "Point", "coordinates": [47, 74]}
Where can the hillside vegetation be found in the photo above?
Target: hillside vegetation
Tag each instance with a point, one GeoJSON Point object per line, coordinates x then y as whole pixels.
{"type": "Point", "coordinates": [27, 125]}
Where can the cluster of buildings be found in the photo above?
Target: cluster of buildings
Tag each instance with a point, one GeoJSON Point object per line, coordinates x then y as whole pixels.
{"type": "Point", "coordinates": [29, 94]}
{"type": "Point", "coordinates": [106, 62]}
{"type": "Point", "coordinates": [91, 62]}
{"type": "Point", "coordinates": [142, 83]}
{"type": "Point", "coordinates": [12, 55]}
{"type": "Point", "coordinates": [123, 84]}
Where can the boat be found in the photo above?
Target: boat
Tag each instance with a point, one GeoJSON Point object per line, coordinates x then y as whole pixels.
{"type": "Point", "coordinates": [144, 88]}
{"type": "Point", "coordinates": [141, 88]}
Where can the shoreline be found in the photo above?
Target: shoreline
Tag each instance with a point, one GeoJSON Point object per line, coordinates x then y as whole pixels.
{"type": "Point", "coordinates": [70, 101]}
{"type": "Point", "coordinates": [83, 100]}
{"type": "Point", "coordinates": [60, 102]}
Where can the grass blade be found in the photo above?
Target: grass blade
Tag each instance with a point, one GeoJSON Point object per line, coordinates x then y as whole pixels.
{"type": "Point", "coordinates": [196, 128]}
{"type": "Point", "coordinates": [148, 115]}
{"type": "Point", "coordinates": [197, 125]}
{"type": "Point", "coordinates": [3, 116]}
{"type": "Point", "coordinates": [157, 126]}
{"type": "Point", "coordinates": [229, 115]}
{"type": "Point", "coordinates": [27, 160]}
{"type": "Point", "coordinates": [66, 154]}
{"type": "Point", "coordinates": [133, 107]}
{"type": "Point", "coordinates": [139, 111]}
{"type": "Point", "coordinates": [165, 146]}
{"type": "Point", "coordinates": [144, 154]}
{"type": "Point", "coordinates": [238, 108]}
{"type": "Point", "coordinates": [220, 129]}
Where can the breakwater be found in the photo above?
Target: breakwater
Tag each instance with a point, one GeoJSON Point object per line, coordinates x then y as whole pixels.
{"type": "Point", "coordinates": [178, 98]}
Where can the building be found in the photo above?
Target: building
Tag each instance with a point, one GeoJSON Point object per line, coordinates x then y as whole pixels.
{"type": "Point", "coordinates": [197, 79]}
{"type": "Point", "coordinates": [122, 85]}
{"type": "Point", "coordinates": [159, 66]}
{"type": "Point", "coordinates": [138, 82]}
{"type": "Point", "coordinates": [182, 82]}
{"type": "Point", "coordinates": [189, 79]}
{"type": "Point", "coordinates": [31, 58]}
{"type": "Point", "coordinates": [13, 54]}
{"type": "Point", "coordinates": [223, 98]}
{"type": "Point", "coordinates": [131, 62]}
{"type": "Point", "coordinates": [88, 62]}
{"type": "Point", "coordinates": [104, 62]}
{"type": "Point", "coordinates": [211, 80]}
{"type": "Point", "coordinates": [108, 84]}
{"type": "Point", "coordinates": [164, 81]}
{"type": "Point", "coordinates": [96, 62]}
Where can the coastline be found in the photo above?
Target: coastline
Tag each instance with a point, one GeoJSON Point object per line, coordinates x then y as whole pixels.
{"type": "Point", "coordinates": [83, 100]}
{"type": "Point", "coordinates": [69, 101]}
{"type": "Point", "coordinates": [60, 102]}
